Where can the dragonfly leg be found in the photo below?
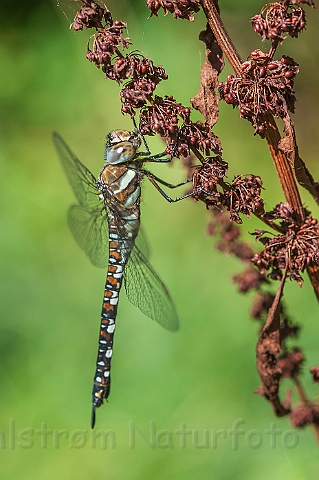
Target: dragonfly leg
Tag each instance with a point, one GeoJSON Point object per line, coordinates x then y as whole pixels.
{"type": "Point", "coordinates": [153, 158]}
{"type": "Point", "coordinates": [138, 132]}
{"type": "Point", "coordinates": [159, 157]}
{"type": "Point", "coordinates": [153, 179]}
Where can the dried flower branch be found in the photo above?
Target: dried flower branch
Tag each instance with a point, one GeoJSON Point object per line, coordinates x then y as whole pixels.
{"type": "Point", "coordinates": [260, 94]}
{"type": "Point", "coordinates": [262, 89]}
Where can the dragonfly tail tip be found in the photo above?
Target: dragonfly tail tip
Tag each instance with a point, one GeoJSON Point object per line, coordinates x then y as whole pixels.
{"type": "Point", "coordinates": [93, 417]}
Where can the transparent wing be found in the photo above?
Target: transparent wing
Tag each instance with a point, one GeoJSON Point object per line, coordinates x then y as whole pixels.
{"type": "Point", "coordinates": [81, 179]}
{"type": "Point", "coordinates": [142, 244]}
{"type": "Point", "coordinates": [146, 290]}
{"type": "Point", "coordinates": [87, 221]}
{"type": "Point", "coordinates": [89, 227]}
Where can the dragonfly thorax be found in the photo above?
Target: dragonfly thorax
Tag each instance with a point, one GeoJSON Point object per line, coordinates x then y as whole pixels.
{"type": "Point", "coordinates": [121, 146]}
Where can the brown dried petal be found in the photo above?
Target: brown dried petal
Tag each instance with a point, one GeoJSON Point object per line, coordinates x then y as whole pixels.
{"type": "Point", "coordinates": [206, 100]}
{"type": "Point", "coordinates": [268, 350]}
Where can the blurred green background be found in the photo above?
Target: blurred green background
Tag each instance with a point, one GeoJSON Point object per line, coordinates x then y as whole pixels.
{"type": "Point", "coordinates": [201, 378]}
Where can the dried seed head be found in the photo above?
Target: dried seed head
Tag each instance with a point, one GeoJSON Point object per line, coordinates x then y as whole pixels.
{"type": "Point", "coordinates": [206, 177]}
{"type": "Point", "coordinates": [162, 117]}
{"type": "Point", "coordinates": [243, 196]}
{"type": "Point", "coordinates": [304, 414]}
{"type": "Point", "coordinates": [278, 20]}
{"type": "Point", "coordinates": [229, 234]}
{"type": "Point", "coordinates": [288, 328]}
{"type": "Point", "coordinates": [315, 374]}
{"type": "Point", "coordinates": [264, 86]}
{"type": "Point", "coordinates": [197, 136]}
{"type": "Point", "coordinates": [293, 251]}
{"type": "Point", "coordinates": [105, 44]}
{"type": "Point", "coordinates": [179, 8]}
{"type": "Point", "coordinates": [141, 74]}
{"type": "Point", "coordinates": [135, 94]}
{"type": "Point", "coordinates": [290, 363]}
{"type": "Point", "coordinates": [308, 2]}
{"type": "Point", "coordinates": [250, 279]}
{"type": "Point", "coordinates": [91, 15]}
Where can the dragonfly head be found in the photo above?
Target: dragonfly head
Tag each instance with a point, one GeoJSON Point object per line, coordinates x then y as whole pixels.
{"type": "Point", "coordinates": [121, 146]}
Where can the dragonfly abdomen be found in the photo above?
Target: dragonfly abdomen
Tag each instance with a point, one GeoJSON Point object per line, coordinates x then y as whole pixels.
{"type": "Point", "coordinates": [119, 251]}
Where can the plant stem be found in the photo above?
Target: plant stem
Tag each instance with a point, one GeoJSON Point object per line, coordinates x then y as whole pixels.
{"type": "Point", "coordinates": [221, 34]}
{"type": "Point", "coordinates": [283, 168]}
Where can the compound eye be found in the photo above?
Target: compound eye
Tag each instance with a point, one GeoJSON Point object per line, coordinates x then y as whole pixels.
{"type": "Point", "coordinates": [119, 153]}
{"type": "Point", "coordinates": [111, 136]}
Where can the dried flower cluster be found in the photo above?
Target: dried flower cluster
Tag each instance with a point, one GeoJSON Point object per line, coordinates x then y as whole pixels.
{"type": "Point", "coordinates": [305, 413]}
{"type": "Point", "coordinates": [145, 78]}
{"type": "Point", "coordinates": [311, 3]}
{"type": "Point", "coordinates": [179, 8]}
{"type": "Point", "coordinates": [163, 116]}
{"type": "Point", "coordinates": [273, 366]}
{"type": "Point", "coordinates": [293, 250]}
{"type": "Point", "coordinates": [105, 45]}
{"type": "Point", "coordinates": [141, 75]}
{"type": "Point", "coordinates": [265, 85]}
{"type": "Point", "coordinates": [91, 15]}
{"type": "Point", "coordinates": [243, 197]}
{"type": "Point", "coordinates": [290, 363]}
{"type": "Point", "coordinates": [278, 19]}
{"type": "Point", "coordinates": [205, 179]}
{"type": "Point", "coordinates": [251, 279]}
{"type": "Point", "coordinates": [197, 136]}
{"type": "Point", "coordinates": [229, 240]}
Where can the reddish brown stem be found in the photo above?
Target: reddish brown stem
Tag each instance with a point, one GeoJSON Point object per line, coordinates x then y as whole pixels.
{"type": "Point", "coordinates": [283, 167]}
{"type": "Point", "coordinates": [221, 34]}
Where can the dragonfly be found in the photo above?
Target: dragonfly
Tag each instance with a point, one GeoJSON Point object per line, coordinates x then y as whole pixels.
{"type": "Point", "coordinates": [106, 224]}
